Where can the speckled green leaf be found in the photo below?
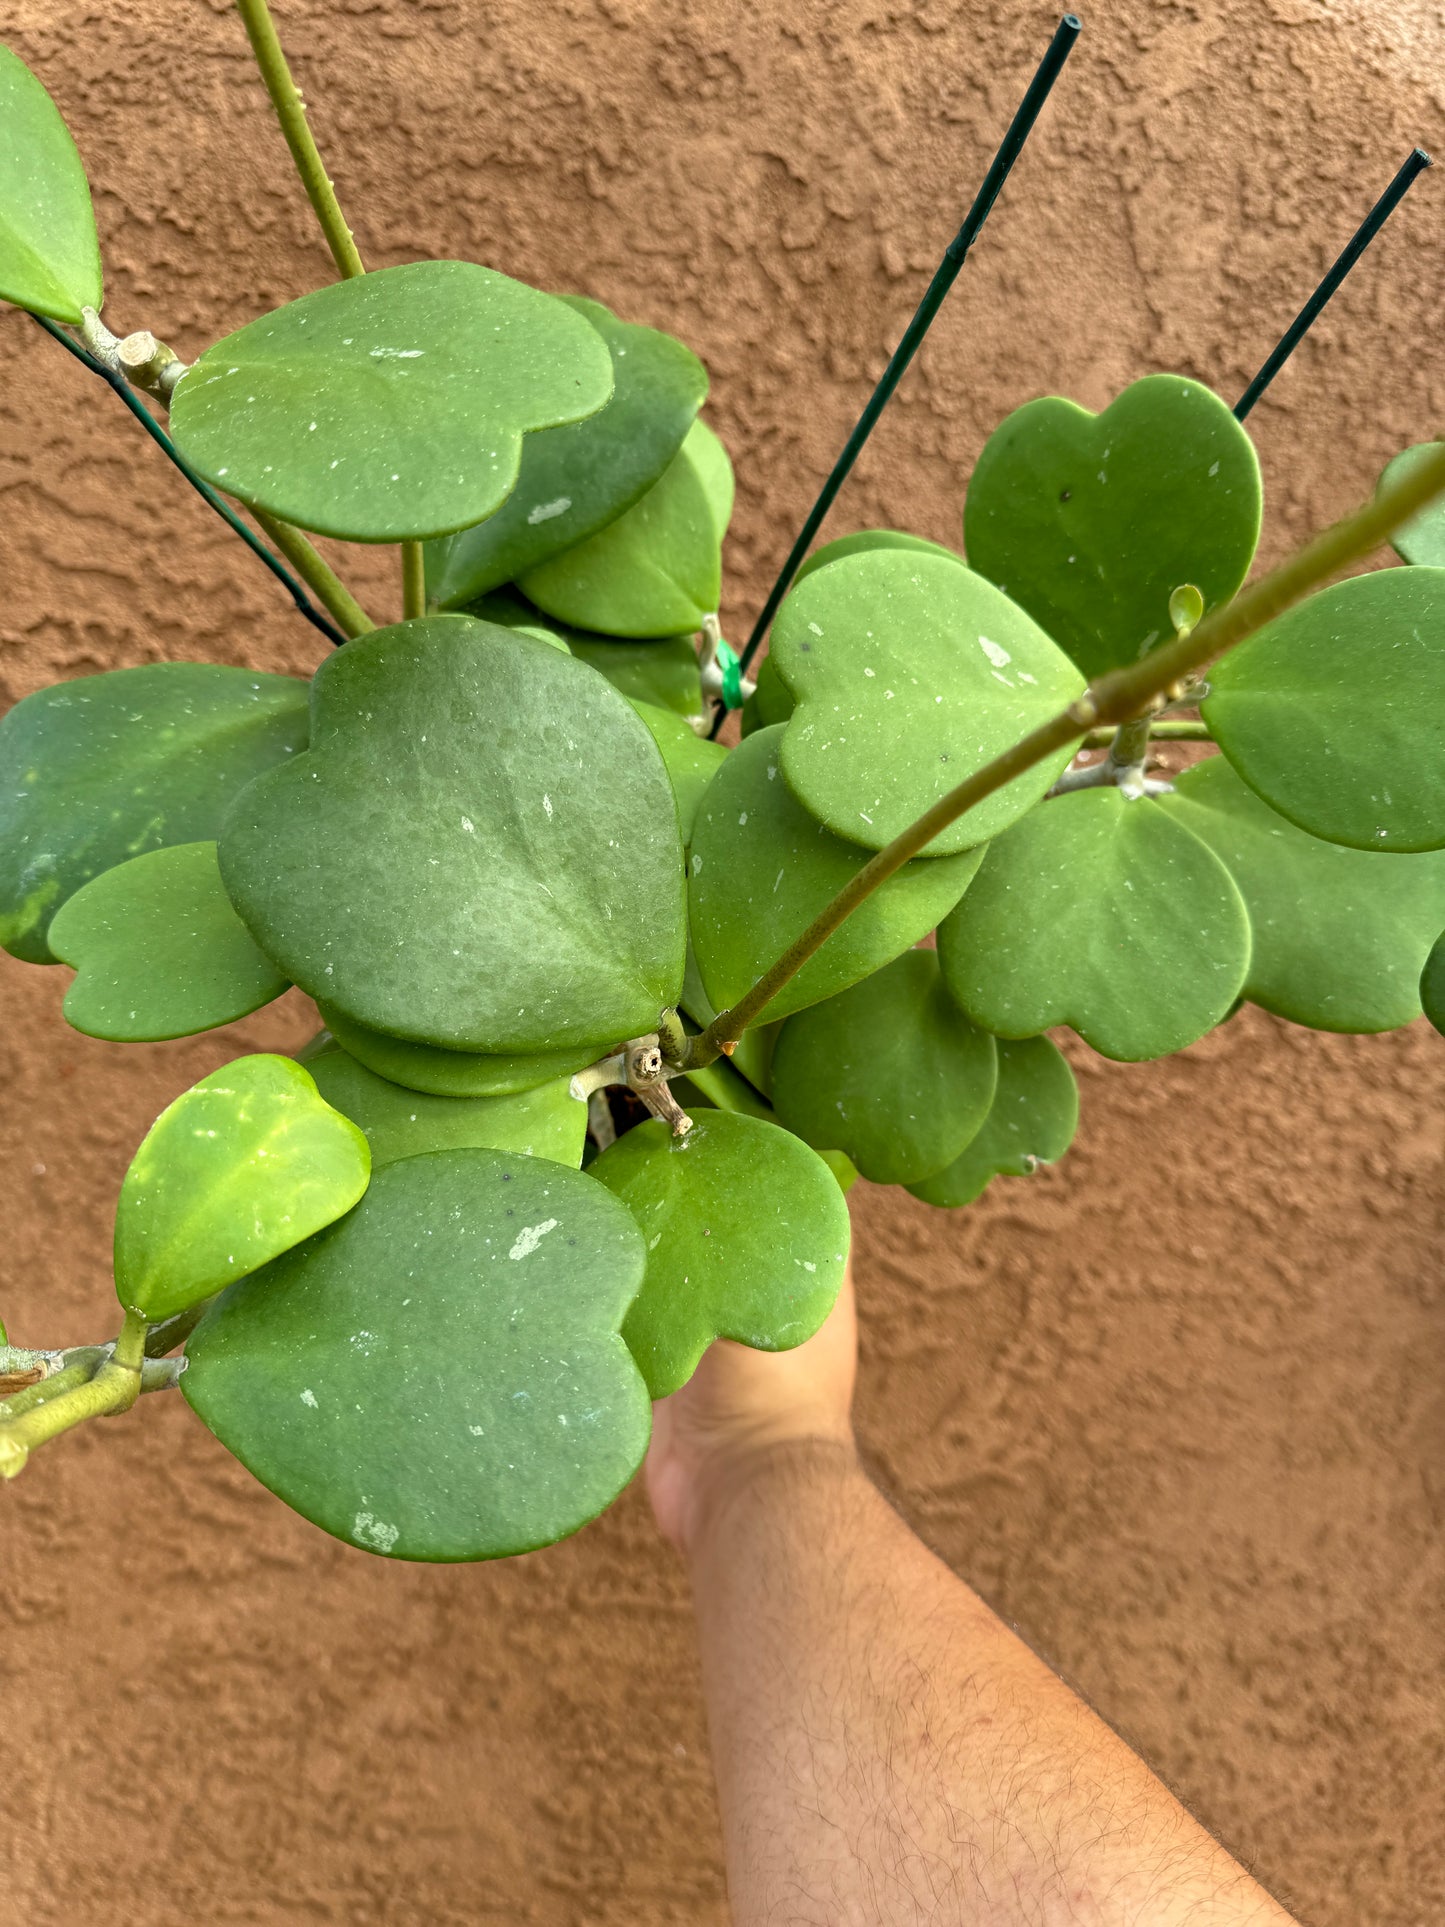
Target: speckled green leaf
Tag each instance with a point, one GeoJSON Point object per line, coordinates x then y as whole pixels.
{"type": "Point", "coordinates": [691, 761]}
{"type": "Point", "coordinates": [1423, 540]}
{"type": "Point", "coordinates": [479, 850]}
{"type": "Point", "coordinates": [747, 1238]}
{"type": "Point", "coordinates": [440, 1376]}
{"type": "Point", "coordinates": [662, 671]}
{"type": "Point", "coordinates": [241, 1167]}
{"type": "Point", "coordinates": [1432, 985]}
{"type": "Point", "coordinates": [1339, 935]}
{"type": "Point", "coordinates": [910, 673]}
{"type": "Point", "coordinates": [49, 252]}
{"type": "Point", "coordinates": [158, 950]}
{"type": "Point", "coordinates": [547, 1122]}
{"type": "Point", "coordinates": [657, 569]}
{"type": "Point", "coordinates": [392, 406]}
{"type": "Point", "coordinates": [866, 540]}
{"type": "Point", "coordinates": [771, 701]}
{"type": "Point", "coordinates": [451, 1073]}
{"type": "Point", "coordinates": [761, 868]}
{"type": "Point", "coordinates": [890, 1071]}
{"type": "Point", "coordinates": [575, 480]}
{"type": "Point", "coordinates": [1032, 1120]}
{"type": "Point", "coordinates": [97, 771]}
{"type": "Point", "coordinates": [1104, 914]}
{"type": "Point", "coordinates": [1090, 522]}
{"type": "Point", "coordinates": [1335, 712]}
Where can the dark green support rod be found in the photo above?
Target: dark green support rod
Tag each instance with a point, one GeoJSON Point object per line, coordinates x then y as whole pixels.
{"type": "Point", "coordinates": [1020, 127]}
{"type": "Point", "coordinates": [1418, 161]}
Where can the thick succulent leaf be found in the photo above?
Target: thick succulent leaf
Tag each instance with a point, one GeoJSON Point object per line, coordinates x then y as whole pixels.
{"type": "Point", "coordinates": [690, 760]}
{"type": "Point", "coordinates": [547, 1122]}
{"type": "Point", "coordinates": [1335, 712]}
{"type": "Point", "coordinates": [97, 771]}
{"type": "Point", "coordinates": [761, 868]}
{"type": "Point", "coordinates": [747, 1238]}
{"type": "Point", "coordinates": [479, 850]}
{"type": "Point", "coordinates": [657, 569]}
{"type": "Point", "coordinates": [508, 610]}
{"type": "Point", "coordinates": [1090, 522]}
{"type": "Point", "coordinates": [392, 406]}
{"type": "Point", "coordinates": [910, 673]}
{"type": "Point", "coordinates": [771, 701]}
{"type": "Point", "coordinates": [241, 1167]}
{"type": "Point", "coordinates": [1032, 1120]}
{"type": "Point", "coordinates": [661, 671]}
{"type": "Point", "coordinates": [1423, 540]}
{"type": "Point", "coordinates": [866, 540]}
{"type": "Point", "coordinates": [1339, 935]}
{"type": "Point", "coordinates": [440, 1376]}
{"type": "Point", "coordinates": [890, 1071]}
{"type": "Point", "coordinates": [158, 950]}
{"type": "Point", "coordinates": [451, 1073]}
{"type": "Point", "coordinates": [575, 480]}
{"type": "Point", "coordinates": [49, 252]}
{"type": "Point", "coordinates": [1432, 985]}
{"type": "Point", "coordinates": [1104, 914]}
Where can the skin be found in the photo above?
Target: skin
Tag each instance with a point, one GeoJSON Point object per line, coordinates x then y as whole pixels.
{"type": "Point", "coordinates": [887, 1752]}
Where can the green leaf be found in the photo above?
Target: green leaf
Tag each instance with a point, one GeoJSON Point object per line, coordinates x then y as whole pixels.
{"type": "Point", "coordinates": [754, 1054]}
{"type": "Point", "coordinates": [657, 569]}
{"type": "Point", "coordinates": [1432, 985]}
{"type": "Point", "coordinates": [393, 406]}
{"type": "Point", "coordinates": [690, 760]}
{"type": "Point", "coordinates": [661, 672]}
{"type": "Point", "coordinates": [159, 950]}
{"type": "Point", "coordinates": [102, 769]}
{"type": "Point", "coordinates": [479, 850]}
{"type": "Point", "coordinates": [1091, 521]}
{"type": "Point", "coordinates": [440, 1376]}
{"type": "Point", "coordinates": [241, 1167]}
{"type": "Point", "coordinates": [1423, 540]}
{"type": "Point", "coordinates": [1104, 914]}
{"type": "Point", "coordinates": [771, 701]}
{"type": "Point", "coordinates": [890, 1071]}
{"type": "Point", "coordinates": [762, 868]}
{"type": "Point", "coordinates": [547, 1122]}
{"type": "Point", "coordinates": [1339, 935]}
{"type": "Point", "coordinates": [1335, 712]}
{"type": "Point", "coordinates": [1032, 1121]}
{"type": "Point", "coordinates": [49, 252]}
{"type": "Point", "coordinates": [864, 542]}
{"type": "Point", "coordinates": [910, 673]}
{"type": "Point", "coordinates": [577, 479]}
{"type": "Point", "coordinates": [451, 1073]}
{"type": "Point", "coordinates": [747, 1238]}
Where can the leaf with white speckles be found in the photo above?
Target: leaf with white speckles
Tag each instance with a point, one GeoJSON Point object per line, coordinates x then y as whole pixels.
{"type": "Point", "coordinates": [49, 253]}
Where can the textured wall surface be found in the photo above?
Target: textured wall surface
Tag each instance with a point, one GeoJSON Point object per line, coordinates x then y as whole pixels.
{"type": "Point", "coordinates": [1175, 1407]}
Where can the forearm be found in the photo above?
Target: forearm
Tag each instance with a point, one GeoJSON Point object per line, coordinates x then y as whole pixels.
{"type": "Point", "coordinates": [888, 1752]}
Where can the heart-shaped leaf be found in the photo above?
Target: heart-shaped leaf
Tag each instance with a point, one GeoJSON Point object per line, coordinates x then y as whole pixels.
{"type": "Point", "coordinates": [241, 1167]}
{"type": "Point", "coordinates": [1032, 1121]}
{"type": "Point", "coordinates": [96, 771]}
{"type": "Point", "coordinates": [1090, 522]}
{"type": "Point", "coordinates": [575, 480]}
{"type": "Point", "coordinates": [657, 569]}
{"type": "Point", "coordinates": [890, 1071]}
{"type": "Point", "coordinates": [1432, 985]}
{"type": "Point", "coordinates": [747, 1238]}
{"type": "Point", "coordinates": [547, 1122]}
{"type": "Point", "coordinates": [1104, 914]}
{"type": "Point", "coordinates": [760, 870]}
{"type": "Point", "coordinates": [159, 951]}
{"type": "Point", "coordinates": [1423, 540]}
{"type": "Point", "coordinates": [690, 760]}
{"type": "Point", "coordinates": [866, 540]}
{"type": "Point", "coordinates": [392, 406]}
{"type": "Point", "coordinates": [1339, 935]}
{"type": "Point", "coordinates": [1335, 712]}
{"type": "Point", "coordinates": [479, 850]}
{"type": "Point", "coordinates": [662, 671]}
{"type": "Point", "coordinates": [910, 673]}
{"type": "Point", "coordinates": [49, 253]}
{"type": "Point", "coordinates": [451, 1073]}
{"type": "Point", "coordinates": [440, 1376]}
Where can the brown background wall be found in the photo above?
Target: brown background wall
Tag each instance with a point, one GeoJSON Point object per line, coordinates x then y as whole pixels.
{"type": "Point", "coordinates": [1176, 1407]}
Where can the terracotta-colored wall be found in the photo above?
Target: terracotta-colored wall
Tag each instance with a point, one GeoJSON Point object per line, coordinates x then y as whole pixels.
{"type": "Point", "coordinates": [1175, 1407]}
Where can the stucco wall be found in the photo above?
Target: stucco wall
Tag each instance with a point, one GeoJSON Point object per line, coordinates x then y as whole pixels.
{"type": "Point", "coordinates": [1174, 1407]}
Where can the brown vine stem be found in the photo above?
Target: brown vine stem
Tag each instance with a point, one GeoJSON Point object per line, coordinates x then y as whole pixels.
{"type": "Point", "coordinates": [1113, 700]}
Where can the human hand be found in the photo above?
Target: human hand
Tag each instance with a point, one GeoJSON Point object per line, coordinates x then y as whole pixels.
{"type": "Point", "coordinates": [742, 1406]}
